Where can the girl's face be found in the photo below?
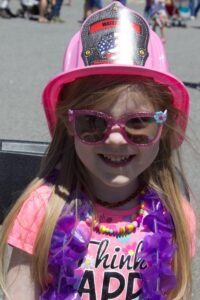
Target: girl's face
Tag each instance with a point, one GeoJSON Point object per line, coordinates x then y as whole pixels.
{"type": "Point", "coordinates": [116, 162]}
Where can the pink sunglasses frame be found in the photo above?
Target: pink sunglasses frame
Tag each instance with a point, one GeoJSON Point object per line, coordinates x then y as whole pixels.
{"type": "Point", "coordinates": [159, 117]}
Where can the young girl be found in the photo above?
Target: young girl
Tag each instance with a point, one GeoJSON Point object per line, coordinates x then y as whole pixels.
{"type": "Point", "coordinates": [106, 218]}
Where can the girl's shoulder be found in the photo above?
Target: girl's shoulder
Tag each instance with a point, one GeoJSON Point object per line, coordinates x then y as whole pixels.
{"type": "Point", "coordinates": [29, 219]}
{"type": "Point", "coordinates": [190, 218]}
{"type": "Point", "coordinates": [187, 207]}
{"type": "Point", "coordinates": [36, 202]}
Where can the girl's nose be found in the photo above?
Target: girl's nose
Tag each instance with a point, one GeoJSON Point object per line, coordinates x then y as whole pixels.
{"type": "Point", "coordinates": [116, 136]}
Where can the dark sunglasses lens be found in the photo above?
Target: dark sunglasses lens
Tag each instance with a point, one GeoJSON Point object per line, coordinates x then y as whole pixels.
{"type": "Point", "coordinates": [90, 128]}
{"type": "Point", "coordinates": [141, 130]}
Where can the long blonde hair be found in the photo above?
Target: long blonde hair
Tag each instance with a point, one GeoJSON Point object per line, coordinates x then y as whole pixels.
{"type": "Point", "coordinates": [88, 93]}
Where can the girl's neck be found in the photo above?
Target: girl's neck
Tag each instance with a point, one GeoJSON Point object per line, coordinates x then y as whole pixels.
{"type": "Point", "coordinates": [111, 194]}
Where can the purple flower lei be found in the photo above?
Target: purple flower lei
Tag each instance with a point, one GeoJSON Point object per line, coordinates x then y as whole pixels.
{"type": "Point", "coordinates": [157, 250]}
{"type": "Point", "coordinates": [68, 247]}
{"type": "Point", "coordinates": [70, 241]}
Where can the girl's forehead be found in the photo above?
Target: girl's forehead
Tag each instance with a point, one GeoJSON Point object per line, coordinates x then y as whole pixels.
{"type": "Point", "coordinates": [127, 103]}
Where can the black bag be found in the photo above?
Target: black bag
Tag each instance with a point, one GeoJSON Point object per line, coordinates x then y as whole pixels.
{"type": "Point", "coordinates": [19, 163]}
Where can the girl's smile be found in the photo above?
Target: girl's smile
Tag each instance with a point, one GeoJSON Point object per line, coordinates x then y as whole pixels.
{"type": "Point", "coordinates": [116, 160]}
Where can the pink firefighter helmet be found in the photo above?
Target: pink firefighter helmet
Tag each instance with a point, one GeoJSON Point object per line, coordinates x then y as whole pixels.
{"type": "Point", "coordinates": [115, 40]}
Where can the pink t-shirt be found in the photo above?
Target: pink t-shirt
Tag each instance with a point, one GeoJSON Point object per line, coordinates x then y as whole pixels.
{"type": "Point", "coordinates": [111, 266]}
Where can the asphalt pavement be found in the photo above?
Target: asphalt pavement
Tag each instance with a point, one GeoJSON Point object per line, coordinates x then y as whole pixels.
{"type": "Point", "coordinates": [31, 53]}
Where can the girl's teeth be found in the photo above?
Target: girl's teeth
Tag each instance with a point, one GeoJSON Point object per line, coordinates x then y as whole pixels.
{"type": "Point", "coordinates": [116, 159]}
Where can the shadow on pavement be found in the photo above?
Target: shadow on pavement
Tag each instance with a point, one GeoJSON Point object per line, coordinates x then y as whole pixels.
{"type": "Point", "coordinates": [192, 85]}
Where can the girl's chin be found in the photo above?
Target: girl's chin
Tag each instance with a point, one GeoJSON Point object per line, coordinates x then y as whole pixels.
{"type": "Point", "coordinates": [119, 181]}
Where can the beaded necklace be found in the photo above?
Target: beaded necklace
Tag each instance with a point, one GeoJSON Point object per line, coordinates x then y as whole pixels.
{"type": "Point", "coordinates": [123, 230]}
{"type": "Point", "coordinates": [119, 203]}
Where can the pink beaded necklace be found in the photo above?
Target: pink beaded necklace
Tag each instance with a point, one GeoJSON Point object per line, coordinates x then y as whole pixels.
{"type": "Point", "coordinates": [123, 230]}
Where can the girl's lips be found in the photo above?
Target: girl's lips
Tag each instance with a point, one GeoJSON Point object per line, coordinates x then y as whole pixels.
{"type": "Point", "coordinates": [116, 160]}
